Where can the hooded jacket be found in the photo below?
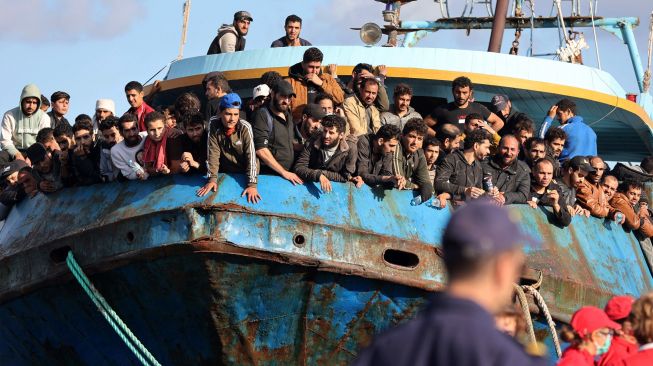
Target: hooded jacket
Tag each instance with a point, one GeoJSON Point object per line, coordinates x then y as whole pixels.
{"type": "Point", "coordinates": [18, 131]}
{"type": "Point", "coordinates": [581, 139]}
{"type": "Point", "coordinates": [227, 40]}
{"type": "Point", "coordinates": [299, 85]}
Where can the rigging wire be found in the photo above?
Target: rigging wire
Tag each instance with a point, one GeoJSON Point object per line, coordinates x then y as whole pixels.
{"type": "Point", "coordinates": [596, 40]}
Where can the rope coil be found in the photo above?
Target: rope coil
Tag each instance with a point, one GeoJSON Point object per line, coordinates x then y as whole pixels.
{"type": "Point", "coordinates": [541, 304]}
{"type": "Point", "coordinates": [139, 350]}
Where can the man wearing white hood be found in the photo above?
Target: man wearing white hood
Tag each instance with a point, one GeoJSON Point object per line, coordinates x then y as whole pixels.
{"type": "Point", "coordinates": [231, 37]}
{"type": "Point", "coordinates": [21, 124]}
{"type": "Point", "coordinates": [103, 109]}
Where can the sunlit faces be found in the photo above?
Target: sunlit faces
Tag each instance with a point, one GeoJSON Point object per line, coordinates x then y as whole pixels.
{"type": "Point", "coordinates": [577, 177]}
{"type": "Point", "coordinates": [369, 93]}
{"type": "Point", "coordinates": [634, 194]}
{"type": "Point", "coordinates": [461, 95]}
{"type": "Point", "coordinates": [402, 102]}
{"type": "Point", "coordinates": [130, 133]}
{"type": "Point", "coordinates": [543, 173]}
{"type": "Point", "coordinates": [556, 147]}
{"type": "Point", "coordinates": [331, 137]}
{"type": "Point", "coordinates": [111, 136]}
{"type": "Point", "coordinates": [29, 105]}
{"type": "Point", "coordinates": [211, 90]}
{"type": "Point", "coordinates": [310, 125]}
{"type": "Point", "coordinates": [195, 132]}
{"type": "Point", "coordinates": [60, 106]}
{"type": "Point", "coordinates": [412, 141]}
{"type": "Point", "coordinates": [523, 135]}
{"type": "Point", "coordinates": [282, 102]}
{"type": "Point", "coordinates": [509, 150]}
{"type": "Point", "coordinates": [230, 117]}
{"type": "Point", "coordinates": [599, 167]}
{"type": "Point", "coordinates": [292, 30]}
{"type": "Point", "coordinates": [431, 153]}
{"type": "Point", "coordinates": [473, 124]}
{"type": "Point", "coordinates": [102, 114]}
{"type": "Point", "coordinates": [387, 146]}
{"type": "Point", "coordinates": [51, 145]}
{"type": "Point", "coordinates": [609, 186]}
{"type": "Point", "coordinates": [563, 116]}
{"type": "Point", "coordinates": [537, 152]}
{"type": "Point", "coordinates": [134, 98]}
{"type": "Point", "coordinates": [155, 129]}
{"type": "Point", "coordinates": [327, 105]}
{"type": "Point", "coordinates": [243, 26]}
{"type": "Point", "coordinates": [482, 150]}
{"type": "Point", "coordinates": [312, 67]}
{"type": "Point", "coordinates": [84, 138]}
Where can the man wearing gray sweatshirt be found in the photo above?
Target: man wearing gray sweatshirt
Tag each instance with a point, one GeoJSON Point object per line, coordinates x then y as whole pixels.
{"type": "Point", "coordinates": [21, 124]}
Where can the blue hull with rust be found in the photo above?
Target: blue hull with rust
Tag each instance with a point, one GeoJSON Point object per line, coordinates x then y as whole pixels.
{"type": "Point", "coordinates": [301, 278]}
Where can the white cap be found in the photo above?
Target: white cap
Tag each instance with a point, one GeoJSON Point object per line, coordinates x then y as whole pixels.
{"type": "Point", "coordinates": [261, 91]}
{"type": "Point", "coordinates": [106, 104]}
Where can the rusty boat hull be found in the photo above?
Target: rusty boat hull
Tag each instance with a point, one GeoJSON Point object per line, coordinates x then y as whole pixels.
{"type": "Point", "coordinates": [300, 278]}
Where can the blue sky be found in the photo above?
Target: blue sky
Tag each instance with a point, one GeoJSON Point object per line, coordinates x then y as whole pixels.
{"type": "Point", "coordinates": [91, 48]}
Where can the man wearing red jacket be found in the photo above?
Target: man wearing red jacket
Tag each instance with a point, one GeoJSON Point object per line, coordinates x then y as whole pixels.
{"type": "Point", "coordinates": [134, 94]}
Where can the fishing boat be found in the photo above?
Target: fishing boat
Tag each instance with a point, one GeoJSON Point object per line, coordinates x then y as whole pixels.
{"type": "Point", "coordinates": [302, 277]}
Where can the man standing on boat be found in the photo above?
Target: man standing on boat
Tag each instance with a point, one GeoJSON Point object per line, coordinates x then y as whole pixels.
{"type": "Point", "coordinates": [231, 37]}
{"type": "Point", "coordinates": [293, 27]}
{"type": "Point", "coordinates": [307, 80]}
{"type": "Point", "coordinates": [581, 139]}
{"type": "Point", "coordinates": [21, 124]}
{"type": "Point", "coordinates": [483, 256]}
{"type": "Point", "coordinates": [363, 117]}
{"type": "Point", "coordinates": [138, 107]}
{"type": "Point", "coordinates": [456, 111]}
{"type": "Point", "coordinates": [60, 101]}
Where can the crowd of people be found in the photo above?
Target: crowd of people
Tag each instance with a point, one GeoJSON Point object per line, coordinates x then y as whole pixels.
{"type": "Point", "coordinates": [313, 127]}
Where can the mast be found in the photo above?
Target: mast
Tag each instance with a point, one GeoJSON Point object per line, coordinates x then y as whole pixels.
{"type": "Point", "coordinates": [184, 29]}
{"type": "Point", "coordinates": [498, 26]}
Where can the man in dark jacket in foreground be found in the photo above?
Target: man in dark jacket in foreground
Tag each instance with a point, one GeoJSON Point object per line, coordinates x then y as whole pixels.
{"type": "Point", "coordinates": [482, 247]}
{"type": "Point", "coordinates": [510, 176]}
{"type": "Point", "coordinates": [329, 157]}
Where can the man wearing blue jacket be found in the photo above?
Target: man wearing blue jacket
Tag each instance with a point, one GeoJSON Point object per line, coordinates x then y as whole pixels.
{"type": "Point", "coordinates": [581, 139]}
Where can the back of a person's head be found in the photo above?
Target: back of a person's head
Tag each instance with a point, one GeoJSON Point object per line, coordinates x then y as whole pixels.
{"type": "Point", "coordinates": [62, 129]}
{"type": "Point", "coordinates": [388, 132]}
{"type": "Point", "coordinates": [476, 137]}
{"type": "Point", "coordinates": [270, 78]}
{"type": "Point", "coordinates": [417, 125]}
{"type": "Point", "coordinates": [108, 123]}
{"type": "Point", "coordinates": [363, 66]}
{"type": "Point", "coordinates": [186, 103]}
{"type": "Point", "coordinates": [642, 315]}
{"type": "Point", "coordinates": [313, 54]}
{"type": "Point", "coordinates": [447, 131]}
{"type": "Point", "coordinates": [44, 135]}
{"type": "Point", "coordinates": [647, 164]}
{"type": "Point", "coordinates": [83, 117]}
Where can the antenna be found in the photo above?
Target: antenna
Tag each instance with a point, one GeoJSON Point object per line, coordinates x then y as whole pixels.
{"type": "Point", "coordinates": [184, 29]}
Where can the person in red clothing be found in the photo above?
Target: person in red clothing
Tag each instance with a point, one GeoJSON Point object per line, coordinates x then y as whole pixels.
{"type": "Point", "coordinates": [134, 94]}
{"type": "Point", "coordinates": [623, 343]}
{"type": "Point", "coordinates": [590, 336]}
{"type": "Point", "coordinates": [642, 318]}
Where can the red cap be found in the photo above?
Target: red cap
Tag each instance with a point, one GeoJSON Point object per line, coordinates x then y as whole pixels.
{"type": "Point", "coordinates": [590, 318]}
{"type": "Point", "coordinates": [619, 307]}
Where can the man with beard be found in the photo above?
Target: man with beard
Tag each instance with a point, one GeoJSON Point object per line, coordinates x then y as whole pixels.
{"type": "Point", "coordinates": [535, 149]}
{"type": "Point", "coordinates": [509, 176]}
{"type": "Point", "coordinates": [215, 86]}
{"type": "Point", "coordinates": [329, 157]}
{"type": "Point", "coordinates": [460, 175]}
{"type": "Point", "coordinates": [401, 111]}
{"type": "Point", "coordinates": [474, 121]}
{"type": "Point", "coordinates": [609, 184]}
{"type": "Point", "coordinates": [307, 80]}
{"type": "Point", "coordinates": [274, 132]}
{"type": "Point", "coordinates": [188, 152]}
{"type": "Point", "coordinates": [21, 124]}
{"type": "Point", "coordinates": [104, 108]}
{"type": "Point", "coordinates": [627, 200]}
{"type": "Point", "coordinates": [293, 27]}
{"type": "Point", "coordinates": [544, 192]}
{"type": "Point", "coordinates": [573, 175]}
{"type": "Point", "coordinates": [409, 161]}
{"type": "Point", "coordinates": [501, 105]}
{"type": "Point", "coordinates": [375, 153]}
{"type": "Point", "coordinates": [456, 111]}
{"type": "Point", "coordinates": [60, 101]}
{"type": "Point", "coordinates": [231, 37]}
{"type": "Point", "coordinates": [138, 107]}
{"type": "Point", "coordinates": [450, 137]}
{"type": "Point", "coordinates": [362, 116]}
{"type": "Point", "coordinates": [126, 151]}
{"type": "Point", "coordinates": [361, 72]}
{"type": "Point", "coordinates": [432, 148]}
{"type": "Point", "coordinates": [555, 141]}
{"type": "Point", "coordinates": [311, 124]}
{"type": "Point", "coordinates": [110, 130]}
{"type": "Point", "coordinates": [590, 194]}
{"type": "Point", "coordinates": [86, 155]}
{"type": "Point", "coordinates": [581, 139]}
{"type": "Point", "coordinates": [231, 148]}
{"type": "Point", "coordinates": [46, 168]}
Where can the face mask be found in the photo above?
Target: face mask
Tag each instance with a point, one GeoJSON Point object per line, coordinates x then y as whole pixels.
{"type": "Point", "coordinates": [600, 350]}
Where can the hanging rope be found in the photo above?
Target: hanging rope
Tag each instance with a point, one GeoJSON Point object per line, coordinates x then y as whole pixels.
{"type": "Point", "coordinates": [523, 303]}
{"type": "Point", "coordinates": [647, 73]}
{"type": "Point", "coordinates": [139, 350]}
{"type": "Point", "coordinates": [532, 4]}
{"type": "Point", "coordinates": [547, 315]}
{"type": "Point", "coordinates": [596, 39]}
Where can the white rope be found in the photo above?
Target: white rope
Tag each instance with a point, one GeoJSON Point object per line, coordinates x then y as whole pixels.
{"type": "Point", "coordinates": [647, 73]}
{"type": "Point", "coordinates": [523, 304]}
{"type": "Point", "coordinates": [547, 315]}
{"type": "Point", "coordinates": [561, 19]}
{"type": "Point", "coordinates": [596, 40]}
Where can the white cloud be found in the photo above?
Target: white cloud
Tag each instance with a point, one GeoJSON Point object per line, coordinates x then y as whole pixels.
{"type": "Point", "coordinates": [67, 20]}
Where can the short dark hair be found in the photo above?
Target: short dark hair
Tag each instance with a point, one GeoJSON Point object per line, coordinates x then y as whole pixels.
{"type": "Point", "coordinates": [127, 117]}
{"type": "Point", "coordinates": [83, 117]}
{"type": "Point", "coordinates": [567, 105]}
{"type": "Point", "coordinates": [44, 100]}
{"type": "Point", "coordinates": [154, 116]}
{"type": "Point", "coordinates": [472, 116]}
{"type": "Point", "coordinates": [186, 103]}
{"type": "Point", "coordinates": [608, 176]}
{"type": "Point", "coordinates": [59, 95]}
{"type": "Point", "coordinates": [83, 124]}
{"type": "Point", "coordinates": [523, 123]}
{"type": "Point", "coordinates": [218, 80]}
{"type": "Point", "coordinates": [366, 81]}
{"type": "Point", "coordinates": [476, 137]}
{"type": "Point", "coordinates": [313, 54]}
{"type": "Point", "coordinates": [628, 184]}
{"type": "Point", "coordinates": [194, 119]}
{"type": "Point", "coordinates": [292, 18]}
{"type": "Point", "coordinates": [534, 141]}
{"type": "Point", "coordinates": [334, 120]}
{"type": "Point", "coordinates": [432, 142]}
{"type": "Point", "coordinates": [44, 135]}
{"type": "Point", "coordinates": [109, 122]}
{"type": "Point", "coordinates": [402, 89]}
{"type": "Point", "coordinates": [363, 66]}
{"type": "Point", "coordinates": [647, 164]}
{"type": "Point", "coordinates": [62, 129]}
{"type": "Point", "coordinates": [447, 131]}
{"type": "Point", "coordinates": [134, 85]}
{"type": "Point", "coordinates": [388, 132]}
{"type": "Point", "coordinates": [417, 125]}
{"type": "Point", "coordinates": [270, 78]}
{"type": "Point", "coordinates": [462, 82]}
{"type": "Point", "coordinates": [555, 133]}
{"type": "Point", "coordinates": [322, 96]}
